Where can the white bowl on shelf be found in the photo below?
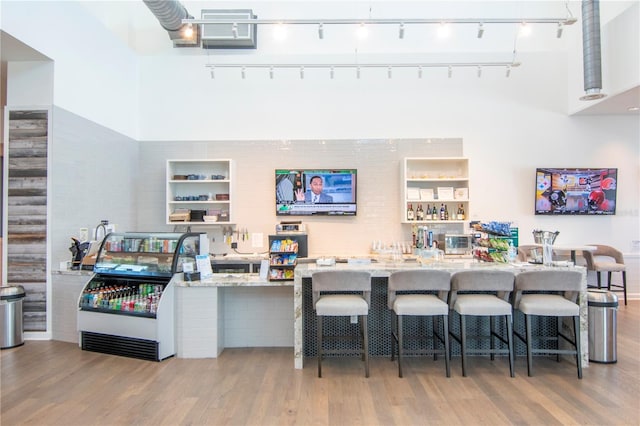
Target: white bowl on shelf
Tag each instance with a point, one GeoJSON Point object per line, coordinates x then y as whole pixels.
{"type": "Point", "coordinates": [210, 218]}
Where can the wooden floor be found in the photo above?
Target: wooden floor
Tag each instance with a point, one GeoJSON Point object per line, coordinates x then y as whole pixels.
{"type": "Point", "coordinates": [51, 383]}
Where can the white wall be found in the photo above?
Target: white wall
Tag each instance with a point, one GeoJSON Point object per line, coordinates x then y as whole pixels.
{"type": "Point", "coordinates": [30, 83]}
{"type": "Point", "coordinates": [95, 73]}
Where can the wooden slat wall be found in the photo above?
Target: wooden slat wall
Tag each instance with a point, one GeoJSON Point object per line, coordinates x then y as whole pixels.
{"type": "Point", "coordinates": [27, 212]}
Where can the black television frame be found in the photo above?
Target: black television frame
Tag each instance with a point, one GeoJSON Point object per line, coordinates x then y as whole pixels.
{"type": "Point", "coordinates": [581, 191]}
{"type": "Point", "coordinates": [286, 204]}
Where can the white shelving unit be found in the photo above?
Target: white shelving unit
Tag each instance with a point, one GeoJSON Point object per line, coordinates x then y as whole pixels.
{"type": "Point", "coordinates": [199, 185]}
{"type": "Point", "coordinates": [436, 180]}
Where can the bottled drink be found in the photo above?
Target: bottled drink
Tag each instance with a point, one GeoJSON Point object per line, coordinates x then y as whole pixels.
{"type": "Point", "coordinates": [410, 214]}
{"type": "Point", "coordinates": [442, 211]}
{"type": "Point", "coordinates": [461, 212]}
{"type": "Point", "coordinates": [434, 213]}
{"type": "Point", "coordinates": [512, 253]}
{"type": "Point", "coordinates": [419, 213]}
{"type": "Point", "coordinates": [446, 213]}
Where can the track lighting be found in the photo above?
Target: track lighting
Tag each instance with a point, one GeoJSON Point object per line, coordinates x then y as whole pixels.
{"type": "Point", "coordinates": [280, 32]}
{"type": "Point", "coordinates": [401, 30]}
{"type": "Point", "coordinates": [480, 30]}
{"type": "Point", "coordinates": [359, 66]}
{"type": "Point", "coordinates": [320, 30]}
{"type": "Point", "coordinates": [213, 72]}
{"type": "Point", "coordinates": [525, 29]}
{"type": "Point", "coordinates": [559, 30]}
{"type": "Point", "coordinates": [234, 30]}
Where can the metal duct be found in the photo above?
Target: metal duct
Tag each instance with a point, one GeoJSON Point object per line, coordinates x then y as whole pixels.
{"type": "Point", "coordinates": [591, 54]}
{"type": "Point", "coordinates": [170, 14]}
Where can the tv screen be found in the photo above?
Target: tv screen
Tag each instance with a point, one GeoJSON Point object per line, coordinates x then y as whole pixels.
{"type": "Point", "coordinates": [303, 192]}
{"type": "Point", "coordinates": [576, 191]}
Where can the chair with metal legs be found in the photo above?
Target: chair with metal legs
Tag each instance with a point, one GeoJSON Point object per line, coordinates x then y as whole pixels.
{"type": "Point", "coordinates": [607, 259]}
{"type": "Point", "coordinates": [342, 294]}
{"type": "Point", "coordinates": [551, 294]}
{"type": "Point", "coordinates": [419, 293]}
{"type": "Point", "coordinates": [483, 294]}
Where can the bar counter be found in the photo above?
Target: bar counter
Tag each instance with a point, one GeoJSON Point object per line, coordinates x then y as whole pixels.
{"type": "Point", "coordinates": [302, 278]}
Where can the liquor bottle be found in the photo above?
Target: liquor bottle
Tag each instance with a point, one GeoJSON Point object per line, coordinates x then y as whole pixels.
{"type": "Point", "coordinates": [410, 214]}
{"type": "Point", "coordinates": [434, 213]}
{"type": "Point", "coordinates": [419, 213]}
{"type": "Point", "coordinates": [446, 213]}
{"type": "Point", "coordinates": [442, 211]}
{"type": "Point", "coordinates": [427, 214]}
{"type": "Point", "coordinates": [461, 212]}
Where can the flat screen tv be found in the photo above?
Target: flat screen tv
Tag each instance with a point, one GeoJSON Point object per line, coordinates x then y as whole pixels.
{"type": "Point", "coordinates": [576, 191]}
{"type": "Point", "coordinates": [304, 192]}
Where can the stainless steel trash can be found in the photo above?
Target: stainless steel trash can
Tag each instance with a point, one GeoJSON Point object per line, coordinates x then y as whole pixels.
{"type": "Point", "coordinates": [602, 311]}
{"type": "Point", "coordinates": [11, 330]}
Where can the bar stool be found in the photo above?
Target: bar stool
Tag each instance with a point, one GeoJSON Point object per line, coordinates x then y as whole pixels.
{"type": "Point", "coordinates": [532, 297]}
{"type": "Point", "coordinates": [483, 294]}
{"type": "Point", "coordinates": [349, 295]}
{"type": "Point", "coordinates": [419, 292]}
{"type": "Point", "coordinates": [607, 265]}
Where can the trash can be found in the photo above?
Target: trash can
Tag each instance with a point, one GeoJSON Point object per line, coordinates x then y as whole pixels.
{"type": "Point", "coordinates": [11, 332]}
{"type": "Point", "coordinates": [602, 311]}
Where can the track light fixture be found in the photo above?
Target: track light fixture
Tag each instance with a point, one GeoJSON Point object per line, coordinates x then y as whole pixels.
{"type": "Point", "coordinates": [559, 30]}
{"type": "Point", "coordinates": [320, 30]}
{"type": "Point", "coordinates": [401, 30]}
{"type": "Point", "coordinates": [234, 30]}
{"type": "Point", "coordinates": [479, 66]}
{"type": "Point", "coordinates": [244, 72]}
{"type": "Point", "coordinates": [480, 30]}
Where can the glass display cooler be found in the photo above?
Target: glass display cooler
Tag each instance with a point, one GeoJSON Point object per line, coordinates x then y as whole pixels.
{"type": "Point", "coordinates": [127, 307]}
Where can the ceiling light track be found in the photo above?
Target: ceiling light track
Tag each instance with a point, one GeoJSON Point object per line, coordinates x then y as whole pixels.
{"type": "Point", "coordinates": [389, 21]}
{"type": "Point", "coordinates": [449, 66]}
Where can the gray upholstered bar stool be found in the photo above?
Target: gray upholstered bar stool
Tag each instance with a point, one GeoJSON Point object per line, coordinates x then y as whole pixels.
{"type": "Point", "coordinates": [342, 294]}
{"type": "Point", "coordinates": [552, 294]}
{"type": "Point", "coordinates": [424, 293]}
{"type": "Point", "coordinates": [483, 294]}
{"type": "Point", "coordinates": [607, 259]}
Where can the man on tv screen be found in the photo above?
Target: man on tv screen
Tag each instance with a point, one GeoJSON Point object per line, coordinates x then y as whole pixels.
{"type": "Point", "coordinates": [314, 193]}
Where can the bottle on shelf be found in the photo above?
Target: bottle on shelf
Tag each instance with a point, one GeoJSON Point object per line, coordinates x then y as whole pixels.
{"type": "Point", "coordinates": [446, 213]}
{"type": "Point", "coordinates": [442, 211]}
{"type": "Point", "coordinates": [461, 212]}
{"type": "Point", "coordinates": [434, 213]}
{"type": "Point", "coordinates": [410, 213]}
{"type": "Point", "coordinates": [419, 213]}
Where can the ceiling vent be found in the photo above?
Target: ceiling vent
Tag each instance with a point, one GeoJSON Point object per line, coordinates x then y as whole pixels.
{"type": "Point", "coordinates": [229, 35]}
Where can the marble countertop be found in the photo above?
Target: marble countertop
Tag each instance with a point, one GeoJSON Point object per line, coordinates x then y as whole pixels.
{"type": "Point", "coordinates": [232, 280]}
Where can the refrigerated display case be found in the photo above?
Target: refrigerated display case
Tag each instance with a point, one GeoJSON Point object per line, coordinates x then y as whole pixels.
{"type": "Point", "coordinates": [127, 307]}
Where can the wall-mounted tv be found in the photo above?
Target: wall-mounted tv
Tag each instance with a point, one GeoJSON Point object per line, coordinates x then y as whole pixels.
{"type": "Point", "coordinates": [304, 192]}
{"type": "Point", "coordinates": [576, 191]}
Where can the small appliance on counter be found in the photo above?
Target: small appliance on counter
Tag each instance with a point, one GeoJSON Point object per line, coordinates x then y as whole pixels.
{"type": "Point", "coordinates": [458, 243]}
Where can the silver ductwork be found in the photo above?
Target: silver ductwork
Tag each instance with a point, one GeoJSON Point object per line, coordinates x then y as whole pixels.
{"type": "Point", "coordinates": [170, 14]}
{"type": "Point", "coordinates": [591, 53]}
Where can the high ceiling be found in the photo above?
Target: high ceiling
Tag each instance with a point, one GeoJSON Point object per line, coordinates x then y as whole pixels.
{"type": "Point", "coordinates": [134, 23]}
